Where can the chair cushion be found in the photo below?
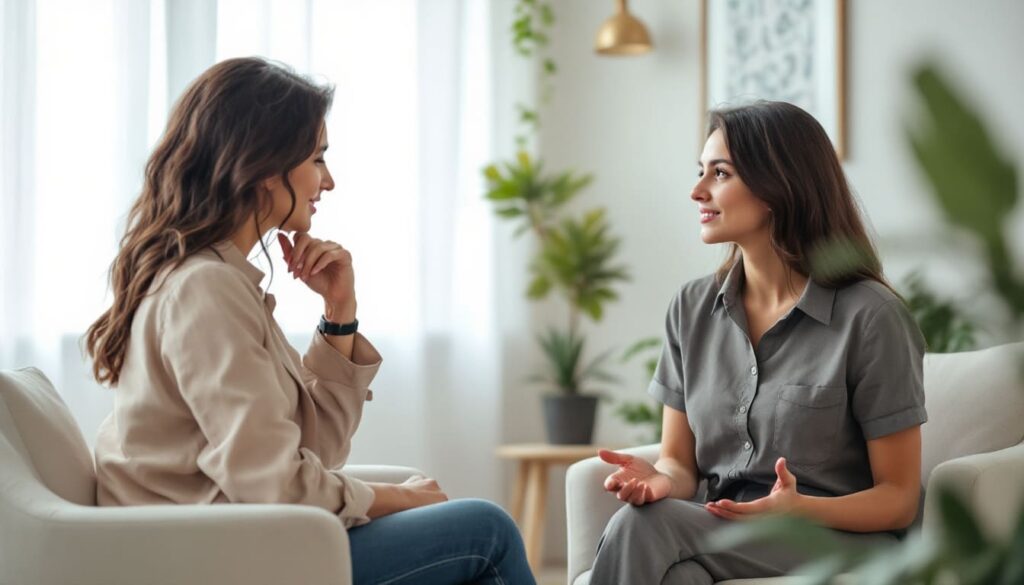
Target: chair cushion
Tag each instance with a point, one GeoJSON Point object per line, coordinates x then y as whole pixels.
{"type": "Point", "coordinates": [975, 403]}
{"type": "Point", "coordinates": [41, 430]}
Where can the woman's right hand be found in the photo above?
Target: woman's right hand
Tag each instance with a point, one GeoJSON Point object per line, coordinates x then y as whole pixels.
{"type": "Point", "coordinates": [423, 491]}
{"type": "Point", "coordinates": [414, 492]}
{"type": "Point", "coordinates": [636, 481]}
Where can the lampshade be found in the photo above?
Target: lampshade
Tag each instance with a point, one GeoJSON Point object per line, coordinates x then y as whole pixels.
{"type": "Point", "coordinates": [622, 34]}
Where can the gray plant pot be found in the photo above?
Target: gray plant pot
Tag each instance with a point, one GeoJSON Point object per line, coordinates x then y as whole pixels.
{"type": "Point", "coordinates": [569, 418]}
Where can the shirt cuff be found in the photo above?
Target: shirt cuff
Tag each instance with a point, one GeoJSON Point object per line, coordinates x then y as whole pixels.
{"type": "Point", "coordinates": [893, 423]}
{"type": "Point", "coordinates": [356, 501]}
{"type": "Point", "coordinates": [667, 396]}
{"type": "Point", "coordinates": [328, 364]}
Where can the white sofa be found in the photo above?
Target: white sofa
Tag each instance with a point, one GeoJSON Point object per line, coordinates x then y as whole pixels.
{"type": "Point", "coordinates": [973, 441]}
{"type": "Point", "coordinates": [52, 532]}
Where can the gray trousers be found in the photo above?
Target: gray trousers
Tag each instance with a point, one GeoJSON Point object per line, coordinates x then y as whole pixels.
{"type": "Point", "coordinates": [663, 543]}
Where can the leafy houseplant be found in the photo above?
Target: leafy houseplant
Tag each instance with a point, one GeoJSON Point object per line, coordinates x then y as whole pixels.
{"type": "Point", "coordinates": [945, 330]}
{"type": "Point", "coordinates": [575, 255]}
{"type": "Point", "coordinates": [637, 412]}
{"type": "Point", "coordinates": [976, 187]}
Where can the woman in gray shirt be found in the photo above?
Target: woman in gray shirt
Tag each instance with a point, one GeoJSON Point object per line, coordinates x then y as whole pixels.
{"type": "Point", "coordinates": [789, 388]}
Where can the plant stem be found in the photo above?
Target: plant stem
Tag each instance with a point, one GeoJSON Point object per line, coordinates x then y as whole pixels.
{"type": "Point", "coordinates": [537, 221]}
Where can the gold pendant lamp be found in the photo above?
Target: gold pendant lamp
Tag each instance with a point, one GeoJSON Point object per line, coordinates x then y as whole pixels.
{"type": "Point", "coordinates": [622, 34]}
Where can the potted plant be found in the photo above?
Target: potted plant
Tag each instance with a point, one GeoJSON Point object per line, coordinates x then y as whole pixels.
{"type": "Point", "coordinates": [576, 258]}
{"type": "Point", "coordinates": [575, 254]}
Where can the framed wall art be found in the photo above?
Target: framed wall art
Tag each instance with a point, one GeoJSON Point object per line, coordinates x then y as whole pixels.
{"type": "Point", "coordinates": [787, 50]}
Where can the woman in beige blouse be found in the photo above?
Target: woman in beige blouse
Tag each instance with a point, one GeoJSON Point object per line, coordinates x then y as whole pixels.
{"type": "Point", "coordinates": [212, 405]}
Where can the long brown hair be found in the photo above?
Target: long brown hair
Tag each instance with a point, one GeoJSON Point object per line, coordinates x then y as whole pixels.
{"type": "Point", "coordinates": [787, 160]}
{"type": "Point", "coordinates": [239, 123]}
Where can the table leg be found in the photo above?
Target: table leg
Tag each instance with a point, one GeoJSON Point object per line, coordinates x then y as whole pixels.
{"type": "Point", "coordinates": [519, 495]}
{"type": "Point", "coordinates": [533, 528]}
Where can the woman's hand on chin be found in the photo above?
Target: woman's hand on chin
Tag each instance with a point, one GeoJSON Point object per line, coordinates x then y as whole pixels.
{"type": "Point", "coordinates": [326, 268]}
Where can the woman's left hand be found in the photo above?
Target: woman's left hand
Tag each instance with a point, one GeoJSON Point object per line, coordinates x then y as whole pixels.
{"type": "Point", "coordinates": [325, 267]}
{"type": "Point", "coordinates": [782, 499]}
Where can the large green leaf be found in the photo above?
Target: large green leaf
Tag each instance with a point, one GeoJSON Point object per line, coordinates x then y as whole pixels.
{"type": "Point", "coordinates": [975, 185]}
{"type": "Point", "coordinates": [906, 563]}
{"type": "Point", "coordinates": [539, 287]}
{"type": "Point", "coordinates": [1013, 569]}
{"type": "Point", "coordinates": [959, 526]}
{"type": "Point", "coordinates": [797, 532]}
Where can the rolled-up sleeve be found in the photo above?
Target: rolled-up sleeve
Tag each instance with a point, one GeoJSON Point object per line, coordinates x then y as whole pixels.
{"type": "Point", "coordinates": [667, 384]}
{"type": "Point", "coordinates": [887, 380]}
{"type": "Point", "coordinates": [339, 387]}
{"type": "Point", "coordinates": [212, 344]}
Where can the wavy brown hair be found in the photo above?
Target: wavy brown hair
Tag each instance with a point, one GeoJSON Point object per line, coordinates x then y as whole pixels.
{"type": "Point", "coordinates": [239, 123]}
{"type": "Point", "coordinates": [786, 159]}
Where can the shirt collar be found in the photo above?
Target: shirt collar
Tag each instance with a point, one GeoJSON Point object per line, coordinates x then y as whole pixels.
{"type": "Point", "coordinates": [816, 301]}
{"type": "Point", "coordinates": [230, 253]}
{"type": "Point", "coordinates": [730, 289]}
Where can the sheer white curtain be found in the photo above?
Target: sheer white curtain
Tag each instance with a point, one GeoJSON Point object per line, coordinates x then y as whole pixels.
{"type": "Point", "coordinates": [86, 88]}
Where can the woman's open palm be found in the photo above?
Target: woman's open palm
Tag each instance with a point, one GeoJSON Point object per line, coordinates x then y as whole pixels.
{"type": "Point", "coordinates": [636, 481]}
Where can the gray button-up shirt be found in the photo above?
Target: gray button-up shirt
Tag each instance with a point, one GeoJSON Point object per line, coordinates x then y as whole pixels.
{"type": "Point", "coordinates": [842, 367]}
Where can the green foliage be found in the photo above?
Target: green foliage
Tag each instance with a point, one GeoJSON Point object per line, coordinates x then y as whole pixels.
{"type": "Point", "coordinates": [945, 329]}
{"type": "Point", "coordinates": [642, 413]}
{"type": "Point", "coordinates": [974, 184]}
{"type": "Point", "coordinates": [519, 189]}
{"type": "Point", "coordinates": [651, 346]}
{"type": "Point", "coordinates": [837, 258]}
{"type": "Point", "coordinates": [959, 553]}
{"type": "Point", "coordinates": [566, 371]}
{"type": "Point", "coordinates": [576, 257]}
{"type": "Point", "coordinates": [533, 19]}
{"type": "Point", "coordinates": [531, 33]}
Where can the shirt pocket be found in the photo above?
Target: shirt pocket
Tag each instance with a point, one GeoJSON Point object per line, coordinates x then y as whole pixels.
{"type": "Point", "coordinates": [808, 420]}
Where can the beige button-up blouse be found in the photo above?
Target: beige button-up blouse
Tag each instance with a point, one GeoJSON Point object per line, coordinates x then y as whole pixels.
{"type": "Point", "coordinates": [213, 405]}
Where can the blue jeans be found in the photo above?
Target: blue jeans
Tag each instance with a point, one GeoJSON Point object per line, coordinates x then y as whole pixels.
{"type": "Point", "coordinates": [456, 542]}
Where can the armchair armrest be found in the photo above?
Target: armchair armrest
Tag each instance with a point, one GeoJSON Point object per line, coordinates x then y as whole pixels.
{"type": "Point", "coordinates": [381, 473]}
{"type": "Point", "coordinates": [53, 542]}
{"type": "Point", "coordinates": [992, 485]}
{"type": "Point", "coordinates": [588, 507]}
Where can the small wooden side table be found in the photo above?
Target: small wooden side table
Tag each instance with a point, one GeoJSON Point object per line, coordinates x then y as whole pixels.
{"type": "Point", "coordinates": [532, 487]}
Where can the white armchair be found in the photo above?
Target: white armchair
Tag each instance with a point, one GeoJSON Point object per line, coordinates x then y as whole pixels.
{"type": "Point", "coordinates": [52, 532]}
{"type": "Point", "coordinates": [973, 441]}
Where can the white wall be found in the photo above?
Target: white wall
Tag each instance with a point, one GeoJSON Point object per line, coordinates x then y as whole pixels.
{"type": "Point", "coordinates": [634, 122]}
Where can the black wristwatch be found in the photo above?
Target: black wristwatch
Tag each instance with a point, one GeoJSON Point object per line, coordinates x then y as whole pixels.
{"type": "Point", "coordinates": [331, 328]}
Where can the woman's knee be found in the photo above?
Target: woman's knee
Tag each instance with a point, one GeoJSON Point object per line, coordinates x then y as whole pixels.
{"type": "Point", "coordinates": [483, 516]}
{"type": "Point", "coordinates": [663, 521]}
{"type": "Point", "coordinates": [630, 517]}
